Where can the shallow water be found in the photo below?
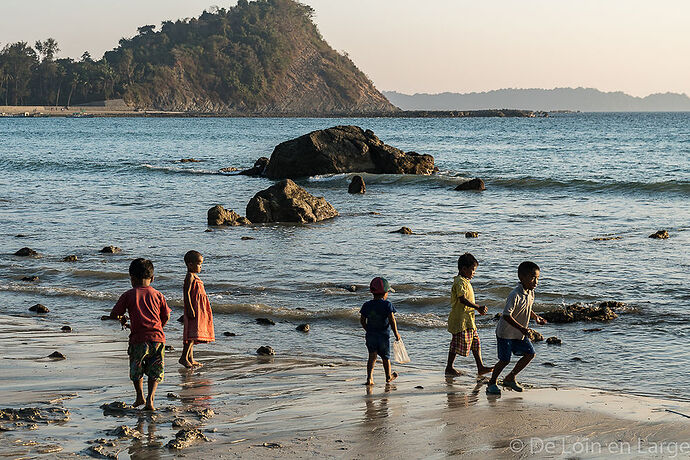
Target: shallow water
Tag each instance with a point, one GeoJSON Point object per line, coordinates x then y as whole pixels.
{"type": "Point", "coordinates": [72, 186]}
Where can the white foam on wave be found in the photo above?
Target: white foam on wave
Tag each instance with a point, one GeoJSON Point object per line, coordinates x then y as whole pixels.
{"type": "Point", "coordinates": [51, 291]}
{"type": "Point", "coordinates": [179, 169]}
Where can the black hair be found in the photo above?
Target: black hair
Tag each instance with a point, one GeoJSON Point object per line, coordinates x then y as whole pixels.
{"type": "Point", "coordinates": [192, 256]}
{"type": "Point", "coordinates": [467, 260]}
{"type": "Point", "coordinates": [527, 268]}
{"type": "Point", "coordinates": [141, 269]}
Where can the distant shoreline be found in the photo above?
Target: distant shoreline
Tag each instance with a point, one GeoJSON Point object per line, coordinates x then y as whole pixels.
{"type": "Point", "coordinates": [108, 112]}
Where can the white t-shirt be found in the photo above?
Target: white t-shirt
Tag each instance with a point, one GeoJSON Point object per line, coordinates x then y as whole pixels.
{"type": "Point", "coordinates": [519, 305]}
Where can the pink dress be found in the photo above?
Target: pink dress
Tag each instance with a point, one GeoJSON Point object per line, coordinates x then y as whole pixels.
{"type": "Point", "coordinates": [200, 328]}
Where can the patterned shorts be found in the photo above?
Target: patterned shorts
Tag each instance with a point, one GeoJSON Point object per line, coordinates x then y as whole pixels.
{"type": "Point", "coordinates": [146, 359]}
{"type": "Point", "coordinates": [464, 341]}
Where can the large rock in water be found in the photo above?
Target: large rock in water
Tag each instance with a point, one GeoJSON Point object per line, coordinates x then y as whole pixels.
{"type": "Point", "coordinates": [288, 202]}
{"type": "Point", "coordinates": [218, 215]}
{"type": "Point", "coordinates": [343, 149]}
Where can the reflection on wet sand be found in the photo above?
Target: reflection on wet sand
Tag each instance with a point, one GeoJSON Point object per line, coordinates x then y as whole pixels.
{"type": "Point", "coordinates": [463, 398]}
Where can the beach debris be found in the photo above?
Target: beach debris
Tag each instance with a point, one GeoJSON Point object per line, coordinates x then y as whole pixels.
{"type": "Point", "coordinates": [535, 336]}
{"type": "Point", "coordinates": [190, 160]}
{"type": "Point", "coordinates": [357, 185]}
{"type": "Point", "coordinates": [471, 234]}
{"type": "Point", "coordinates": [180, 423]}
{"type": "Point", "coordinates": [404, 231]}
{"type": "Point", "coordinates": [288, 202]}
{"type": "Point", "coordinates": [172, 396]}
{"type": "Point", "coordinates": [303, 328]}
{"type": "Point", "coordinates": [169, 348]}
{"type": "Point", "coordinates": [26, 252]}
{"type": "Point", "coordinates": [229, 334]}
{"type": "Point", "coordinates": [32, 415]}
{"type": "Point", "coordinates": [31, 279]}
{"type": "Point", "coordinates": [343, 149]}
{"type": "Point", "coordinates": [659, 235]}
{"type": "Point", "coordinates": [677, 413]}
{"type": "Point", "coordinates": [265, 351]}
{"type": "Point", "coordinates": [554, 341]}
{"type": "Point", "coordinates": [66, 328]}
{"type": "Point", "coordinates": [246, 238]}
{"type": "Point", "coordinates": [473, 184]}
{"type": "Point", "coordinates": [594, 329]}
{"type": "Point", "coordinates": [271, 445]}
{"type": "Point", "coordinates": [57, 355]}
{"type": "Point", "coordinates": [258, 168]}
{"type": "Point", "coordinates": [548, 364]}
{"type": "Point", "coordinates": [124, 431]}
{"type": "Point", "coordinates": [38, 308]}
{"type": "Point", "coordinates": [265, 321]}
{"type": "Point", "coordinates": [201, 412]}
{"type": "Point", "coordinates": [583, 312]}
{"type": "Point", "coordinates": [186, 437]}
{"type": "Point", "coordinates": [110, 250]}
{"type": "Point", "coordinates": [218, 216]}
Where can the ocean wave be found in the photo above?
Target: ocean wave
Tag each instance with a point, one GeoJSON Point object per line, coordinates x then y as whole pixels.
{"type": "Point", "coordinates": [672, 186]}
{"type": "Point", "coordinates": [181, 170]}
{"type": "Point", "coordinates": [52, 291]}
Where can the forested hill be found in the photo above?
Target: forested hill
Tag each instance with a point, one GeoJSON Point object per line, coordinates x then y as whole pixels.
{"type": "Point", "coordinates": [259, 57]}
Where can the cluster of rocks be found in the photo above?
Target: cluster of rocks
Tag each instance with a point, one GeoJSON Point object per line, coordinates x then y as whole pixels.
{"type": "Point", "coordinates": [583, 312]}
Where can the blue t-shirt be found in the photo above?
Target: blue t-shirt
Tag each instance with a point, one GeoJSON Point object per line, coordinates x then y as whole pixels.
{"type": "Point", "coordinates": [376, 312]}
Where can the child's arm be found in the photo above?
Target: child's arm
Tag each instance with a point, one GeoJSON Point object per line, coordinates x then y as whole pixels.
{"type": "Point", "coordinates": [481, 309]}
{"type": "Point", "coordinates": [363, 321]}
{"type": "Point", "coordinates": [189, 308]}
{"type": "Point", "coordinates": [394, 325]}
{"type": "Point", "coordinates": [537, 318]}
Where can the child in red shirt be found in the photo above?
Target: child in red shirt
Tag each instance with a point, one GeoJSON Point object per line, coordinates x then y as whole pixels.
{"type": "Point", "coordinates": [198, 317]}
{"type": "Point", "coordinates": [148, 312]}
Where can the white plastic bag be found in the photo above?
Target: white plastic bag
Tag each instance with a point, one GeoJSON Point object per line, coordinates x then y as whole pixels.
{"type": "Point", "coordinates": [400, 353]}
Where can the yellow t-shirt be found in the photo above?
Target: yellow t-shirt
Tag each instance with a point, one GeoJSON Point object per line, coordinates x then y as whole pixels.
{"type": "Point", "coordinates": [461, 317]}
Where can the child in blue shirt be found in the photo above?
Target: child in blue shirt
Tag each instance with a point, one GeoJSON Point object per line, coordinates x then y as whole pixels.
{"type": "Point", "coordinates": [377, 317]}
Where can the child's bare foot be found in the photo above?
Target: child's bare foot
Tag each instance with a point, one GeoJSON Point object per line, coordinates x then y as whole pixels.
{"type": "Point", "coordinates": [369, 382]}
{"type": "Point", "coordinates": [196, 364]}
{"type": "Point", "coordinates": [484, 370]}
{"type": "Point", "coordinates": [149, 406]}
{"type": "Point", "coordinates": [185, 363]}
{"type": "Point", "coordinates": [452, 371]}
{"type": "Point", "coordinates": [393, 376]}
{"type": "Point", "coordinates": [138, 402]}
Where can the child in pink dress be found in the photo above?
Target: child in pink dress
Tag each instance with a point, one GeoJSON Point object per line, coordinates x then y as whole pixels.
{"type": "Point", "coordinates": [198, 318]}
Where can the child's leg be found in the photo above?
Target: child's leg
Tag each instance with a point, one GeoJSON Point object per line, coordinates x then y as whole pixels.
{"type": "Point", "coordinates": [139, 388]}
{"type": "Point", "coordinates": [184, 358]}
{"type": "Point", "coordinates": [477, 353]}
{"type": "Point", "coordinates": [390, 376]}
{"type": "Point", "coordinates": [449, 365]}
{"type": "Point", "coordinates": [370, 368]}
{"type": "Point", "coordinates": [153, 384]}
{"type": "Point", "coordinates": [191, 355]}
{"type": "Point", "coordinates": [498, 368]}
{"type": "Point", "coordinates": [520, 365]}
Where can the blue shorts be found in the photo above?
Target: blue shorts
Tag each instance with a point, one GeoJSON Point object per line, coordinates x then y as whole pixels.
{"type": "Point", "coordinates": [517, 347]}
{"type": "Point", "coordinates": [379, 344]}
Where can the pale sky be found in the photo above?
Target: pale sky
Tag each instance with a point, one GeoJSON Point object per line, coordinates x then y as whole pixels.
{"type": "Point", "coordinates": [636, 46]}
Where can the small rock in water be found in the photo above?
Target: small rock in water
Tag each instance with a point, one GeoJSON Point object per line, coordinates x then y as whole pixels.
{"type": "Point", "coordinates": [180, 319]}
{"type": "Point", "coordinates": [419, 387]}
{"type": "Point", "coordinates": [271, 445]}
{"type": "Point", "coordinates": [229, 334]}
{"type": "Point", "coordinates": [660, 235]}
{"type": "Point", "coordinates": [185, 438]}
{"type": "Point", "coordinates": [123, 431]}
{"type": "Point", "coordinates": [548, 364]}
{"type": "Point", "coordinates": [265, 321]}
{"type": "Point", "coordinates": [20, 235]}
{"type": "Point", "coordinates": [497, 316]}
{"type": "Point", "coordinates": [607, 238]}
{"type": "Point", "coordinates": [108, 318]}
{"type": "Point", "coordinates": [110, 250]}
{"type": "Point", "coordinates": [577, 360]}
{"type": "Point", "coordinates": [169, 348]}
{"type": "Point", "coordinates": [265, 351]}
{"type": "Point", "coordinates": [38, 308]}
{"type": "Point", "coordinates": [26, 252]}
{"type": "Point", "coordinates": [245, 238]}
{"type": "Point", "coordinates": [351, 288]}
{"type": "Point", "coordinates": [554, 341]}
{"type": "Point", "coordinates": [190, 160]}
{"type": "Point", "coordinates": [66, 329]}
{"type": "Point", "coordinates": [535, 336]}
{"type": "Point", "coordinates": [473, 184]}
{"type": "Point", "coordinates": [357, 185]}
{"type": "Point", "coordinates": [57, 355]}
{"type": "Point", "coordinates": [303, 328]}
{"type": "Point", "coordinates": [71, 258]}
{"type": "Point", "coordinates": [594, 329]}
{"type": "Point", "coordinates": [229, 169]}
{"type": "Point", "coordinates": [404, 231]}
{"type": "Point", "coordinates": [209, 230]}
{"type": "Point", "coordinates": [471, 234]}
{"type": "Point", "coordinates": [172, 396]}
{"type": "Point", "coordinates": [31, 279]}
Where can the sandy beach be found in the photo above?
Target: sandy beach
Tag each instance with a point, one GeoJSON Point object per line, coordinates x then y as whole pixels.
{"type": "Point", "coordinates": [259, 407]}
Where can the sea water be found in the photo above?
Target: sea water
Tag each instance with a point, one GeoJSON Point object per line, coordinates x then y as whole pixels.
{"type": "Point", "coordinates": [554, 185]}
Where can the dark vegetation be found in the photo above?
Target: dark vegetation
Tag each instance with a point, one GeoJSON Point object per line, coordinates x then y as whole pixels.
{"type": "Point", "coordinates": [245, 58]}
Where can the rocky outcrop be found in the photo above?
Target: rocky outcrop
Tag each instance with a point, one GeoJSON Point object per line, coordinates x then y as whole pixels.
{"type": "Point", "coordinates": [110, 250]}
{"type": "Point", "coordinates": [580, 312]}
{"type": "Point", "coordinates": [26, 252]}
{"type": "Point", "coordinates": [38, 308]}
{"type": "Point", "coordinates": [218, 215]}
{"type": "Point", "coordinates": [288, 202]}
{"type": "Point", "coordinates": [357, 185]}
{"type": "Point", "coordinates": [475, 184]}
{"type": "Point", "coordinates": [343, 149]}
{"type": "Point", "coordinates": [256, 170]}
{"type": "Point", "coordinates": [404, 231]}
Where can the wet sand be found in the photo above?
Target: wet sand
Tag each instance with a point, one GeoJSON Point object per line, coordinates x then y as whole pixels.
{"type": "Point", "coordinates": [269, 407]}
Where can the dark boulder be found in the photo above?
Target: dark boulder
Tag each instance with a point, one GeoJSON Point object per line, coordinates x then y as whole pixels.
{"type": "Point", "coordinates": [57, 355]}
{"type": "Point", "coordinates": [71, 258]}
{"type": "Point", "coordinates": [26, 252]}
{"type": "Point", "coordinates": [404, 231]}
{"type": "Point", "coordinates": [357, 185]}
{"type": "Point", "coordinates": [660, 235]}
{"type": "Point", "coordinates": [218, 215]}
{"type": "Point", "coordinates": [535, 336]}
{"type": "Point", "coordinates": [110, 250]}
{"type": "Point", "coordinates": [303, 328]}
{"type": "Point", "coordinates": [288, 202]}
{"type": "Point", "coordinates": [474, 184]}
{"type": "Point", "coordinates": [190, 160]}
{"type": "Point", "coordinates": [581, 312]}
{"type": "Point", "coordinates": [343, 149]}
{"type": "Point", "coordinates": [471, 234]}
{"type": "Point", "coordinates": [31, 279]}
{"type": "Point", "coordinates": [265, 351]}
{"type": "Point", "coordinates": [66, 329]}
{"type": "Point", "coordinates": [258, 168]}
{"type": "Point", "coordinates": [229, 334]}
{"type": "Point", "coordinates": [265, 322]}
{"type": "Point", "coordinates": [38, 308]}
{"type": "Point", "coordinates": [554, 341]}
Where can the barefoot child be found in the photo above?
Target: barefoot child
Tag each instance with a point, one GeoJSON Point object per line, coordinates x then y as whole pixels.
{"type": "Point", "coordinates": [461, 317]}
{"type": "Point", "coordinates": [198, 318]}
{"type": "Point", "coordinates": [377, 317]}
{"type": "Point", "coordinates": [511, 330]}
{"type": "Point", "coordinates": [148, 313]}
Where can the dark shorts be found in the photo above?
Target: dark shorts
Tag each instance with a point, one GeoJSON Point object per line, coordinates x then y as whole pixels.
{"type": "Point", "coordinates": [508, 347]}
{"type": "Point", "coordinates": [146, 359]}
{"type": "Point", "coordinates": [379, 344]}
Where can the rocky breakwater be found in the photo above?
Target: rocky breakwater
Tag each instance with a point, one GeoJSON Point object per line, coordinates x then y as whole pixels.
{"type": "Point", "coordinates": [605, 311]}
{"type": "Point", "coordinates": [288, 202]}
{"type": "Point", "coordinates": [342, 149]}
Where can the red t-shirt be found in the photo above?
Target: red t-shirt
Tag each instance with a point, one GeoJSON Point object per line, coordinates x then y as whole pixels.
{"type": "Point", "coordinates": [148, 313]}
